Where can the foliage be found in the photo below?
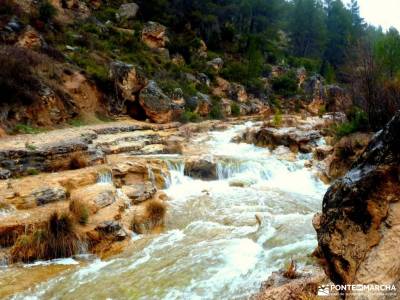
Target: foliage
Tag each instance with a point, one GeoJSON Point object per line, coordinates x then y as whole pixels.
{"type": "Point", "coordinates": [57, 239]}
{"type": "Point", "coordinates": [26, 129]}
{"type": "Point", "coordinates": [46, 11]}
{"type": "Point", "coordinates": [18, 81]}
{"type": "Point", "coordinates": [277, 120]}
{"type": "Point", "coordinates": [235, 109]}
{"type": "Point", "coordinates": [189, 116]}
{"type": "Point", "coordinates": [216, 109]}
{"type": "Point", "coordinates": [358, 121]}
{"type": "Point", "coordinates": [80, 211]}
{"type": "Point", "coordinates": [285, 85]}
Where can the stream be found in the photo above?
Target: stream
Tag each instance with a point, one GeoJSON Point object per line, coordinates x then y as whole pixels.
{"type": "Point", "coordinates": [212, 247]}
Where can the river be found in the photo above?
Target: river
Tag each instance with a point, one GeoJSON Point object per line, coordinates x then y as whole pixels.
{"type": "Point", "coordinates": [212, 247]}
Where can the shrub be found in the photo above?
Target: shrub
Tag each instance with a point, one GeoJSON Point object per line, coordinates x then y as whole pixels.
{"type": "Point", "coordinates": [57, 240]}
{"type": "Point", "coordinates": [358, 121]}
{"type": "Point", "coordinates": [25, 129]}
{"type": "Point", "coordinates": [277, 121]}
{"type": "Point", "coordinates": [154, 214]}
{"type": "Point", "coordinates": [285, 85]}
{"type": "Point", "coordinates": [155, 211]}
{"type": "Point", "coordinates": [78, 161]}
{"type": "Point", "coordinates": [32, 171]}
{"type": "Point", "coordinates": [80, 211]}
{"type": "Point", "coordinates": [189, 116]}
{"type": "Point", "coordinates": [18, 82]}
{"type": "Point", "coordinates": [216, 109]}
{"type": "Point", "coordinates": [235, 109]}
{"type": "Point", "coordinates": [47, 11]}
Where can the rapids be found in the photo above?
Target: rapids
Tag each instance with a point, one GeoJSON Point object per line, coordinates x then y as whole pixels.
{"type": "Point", "coordinates": [212, 247]}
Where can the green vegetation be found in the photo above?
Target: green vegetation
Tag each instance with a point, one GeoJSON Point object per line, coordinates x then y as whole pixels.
{"type": "Point", "coordinates": [235, 109]}
{"type": "Point", "coordinates": [57, 239]}
{"type": "Point", "coordinates": [189, 116]}
{"type": "Point", "coordinates": [358, 121]}
{"type": "Point", "coordinates": [26, 129]}
{"type": "Point", "coordinates": [285, 85]}
{"type": "Point", "coordinates": [216, 109]}
{"type": "Point", "coordinates": [277, 120]}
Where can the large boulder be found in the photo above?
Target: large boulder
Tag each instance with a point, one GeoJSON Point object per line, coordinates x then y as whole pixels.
{"type": "Point", "coordinates": [127, 11]}
{"type": "Point", "coordinates": [129, 80]}
{"type": "Point", "coordinates": [200, 104]}
{"type": "Point", "coordinates": [297, 139]}
{"type": "Point", "coordinates": [154, 35]}
{"type": "Point", "coordinates": [95, 197]}
{"type": "Point", "coordinates": [314, 88]}
{"type": "Point", "coordinates": [359, 227]}
{"type": "Point", "coordinates": [157, 105]}
{"type": "Point", "coordinates": [216, 63]}
{"type": "Point", "coordinates": [201, 169]}
{"type": "Point", "coordinates": [345, 152]}
{"type": "Point", "coordinates": [337, 99]}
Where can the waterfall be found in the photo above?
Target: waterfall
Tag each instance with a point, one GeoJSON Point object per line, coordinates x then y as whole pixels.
{"type": "Point", "coordinates": [104, 177]}
{"type": "Point", "coordinates": [176, 173]}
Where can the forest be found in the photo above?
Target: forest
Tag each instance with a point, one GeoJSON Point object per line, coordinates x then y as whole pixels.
{"type": "Point", "coordinates": [326, 37]}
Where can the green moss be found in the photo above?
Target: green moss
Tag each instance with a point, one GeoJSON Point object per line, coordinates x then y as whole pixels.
{"type": "Point", "coordinates": [32, 171]}
{"type": "Point", "coordinates": [26, 129]}
{"type": "Point", "coordinates": [235, 109]}
{"type": "Point", "coordinates": [189, 116]}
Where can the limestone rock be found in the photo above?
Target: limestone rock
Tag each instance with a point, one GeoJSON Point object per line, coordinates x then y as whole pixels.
{"type": "Point", "coordinates": [337, 99]}
{"type": "Point", "coordinates": [129, 80]}
{"type": "Point", "coordinates": [31, 39]}
{"type": "Point", "coordinates": [157, 105]}
{"type": "Point", "coordinates": [127, 11]}
{"type": "Point", "coordinates": [95, 197]}
{"type": "Point", "coordinates": [45, 195]}
{"type": "Point", "coordinates": [216, 63]}
{"type": "Point", "coordinates": [345, 153]}
{"type": "Point", "coordinates": [200, 104]}
{"type": "Point", "coordinates": [140, 192]}
{"type": "Point", "coordinates": [5, 174]}
{"type": "Point", "coordinates": [201, 169]}
{"type": "Point", "coordinates": [154, 35]}
{"type": "Point", "coordinates": [358, 230]}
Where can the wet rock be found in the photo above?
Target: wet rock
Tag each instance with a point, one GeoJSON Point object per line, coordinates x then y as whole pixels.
{"type": "Point", "coordinates": [358, 232]}
{"type": "Point", "coordinates": [154, 35]}
{"type": "Point", "coordinates": [140, 192]}
{"type": "Point", "coordinates": [304, 286]}
{"type": "Point", "coordinates": [201, 169]}
{"type": "Point", "coordinates": [48, 195]}
{"type": "Point", "coordinates": [321, 152]}
{"type": "Point", "coordinates": [292, 137]}
{"type": "Point", "coordinates": [345, 153]}
{"type": "Point", "coordinates": [157, 105]}
{"type": "Point", "coordinates": [127, 11]}
{"type": "Point", "coordinates": [112, 228]}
